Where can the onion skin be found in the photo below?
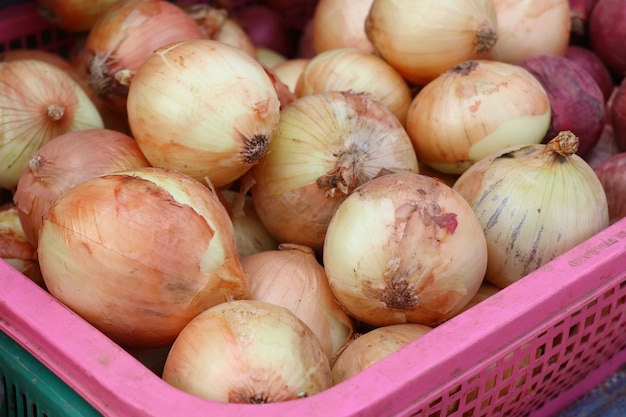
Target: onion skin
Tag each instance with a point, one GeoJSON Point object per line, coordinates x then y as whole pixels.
{"type": "Point", "coordinates": [339, 24]}
{"type": "Point", "coordinates": [66, 161]}
{"type": "Point", "coordinates": [38, 101]}
{"type": "Point", "coordinates": [612, 175]}
{"type": "Point", "coordinates": [74, 15]}
{"type": "Point", "coordinates": [325, 145]}
{"type": "Point", "coordinates": [259, 353]}
{"type": "Point", "coordinates": [110, 249]}
{"type": "Point", "coordinates": [587, 59]}
{"type": "Point", "coordinates": [534, 202]}
{"type": "Point", "coordinates": [577, 102]}
{"type": "Point", "coordinates": [266, 28]}
{"type": "Point", "coordinates": [373, 346]}
{"type": "Point", "coordinates": [607, 35]}
{"type": "Point", "coordinates": [291, 277]}
{"type": "Point", "coordinates": [617, 115]}
{"type": "Point", "coordinates": [396, 251]}
{"type": "Point", "coordinates": [579, 19]}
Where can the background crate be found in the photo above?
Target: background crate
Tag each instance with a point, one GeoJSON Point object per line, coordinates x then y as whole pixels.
{"type": "Point", "coordinates": [531, 349]}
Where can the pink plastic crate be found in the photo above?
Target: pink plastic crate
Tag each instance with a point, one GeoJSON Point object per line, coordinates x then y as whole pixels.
{"type": "Point", "coordinates": [529, 350]}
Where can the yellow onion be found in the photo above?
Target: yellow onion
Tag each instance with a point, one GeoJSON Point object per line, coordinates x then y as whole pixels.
{"type": "Point", "coordinates": [530, 28]}
{"type": "Point", "coordinates": [485, 291]}
{"type": "Point", "coordinates": [124, 37]}
{"type": "Point", "coordinates": [204, 108]}
{"type": "Point", "coordinates": [217, 25]}
{"type": "Point", "coordinates": [404, 248]}
{"type": "Point", "coordinates": [373, 346]}
{"type": "Point", "coordinates": [38, 101]}
{"type": "Point", "coordinates": [66, 161]}
{"type": "Point", "coordinates": [339, 24]}
{"type": "Point", "coordinates": [15, 249]}
{"type": "Point", "coordinates": [534, 202]}
{"type": "Point", "coordinates": [74, 15]}
{"type": "Point", "coordinates": [423, 38]}
{"type": "Point", "coordinates": [251, 235]}
{"type": "Point", "coordinates": [139, 253]}
{"type": "Point", "coordinates": [476, 108]}
{"type": "Point", "coordinates": [292, 277]}
{"type": "Point", "coordinates": [349, 69]}
{"type": "Point", "coordinates": [289, 71]}
{"type": "Point", "coordinates": [247, 351]}
{"type": "Point", "coordinates": [325, 145]}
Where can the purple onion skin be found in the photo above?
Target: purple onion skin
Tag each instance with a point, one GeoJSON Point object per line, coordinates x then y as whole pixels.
{"type": "Point", "coordinates": [612, 175]}
{"type": "Point", "coordinates": [607, 35]}
{"type": "Point", "coordinates": [617, 116]}
{"type": "Point", "coordinates": [588, 59]}
{"type": "Point", "coordinates": [577, 101]}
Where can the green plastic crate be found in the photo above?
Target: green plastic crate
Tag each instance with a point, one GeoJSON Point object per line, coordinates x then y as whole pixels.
{"type": "Point", "coordinates": [29, 389]}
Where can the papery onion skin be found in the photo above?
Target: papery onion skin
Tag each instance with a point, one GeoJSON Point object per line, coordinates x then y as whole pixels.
{"type": "Point", "coordinates": [612, 175]}
{"type": "Point", "coordinates": [247, 351]}
{"type": "Point", "coordinates": [404, 248]}
{"type": "Point", "coordinates": [291, 276]}
{"type": "Point", "coordinates": [579, 20]}
{"type": "Point", "coordinates": [74, 15]}
{"type": "Point", "coordinates": [38, 101]}
{"type": "Point", "coordinates": [339, 24]}
{"type": "Point", "coordinates": [473, 109]}
{"type": "Point", "coordinates": [289, 71]}
{"type": "Point", "coordinates": [576, 100]}
{"type": "Point", "coordinates": [530, 28]}
{"type": "Point", "coordinates": [449, 32]}
{"type": "Point", "coordinates": [14, 247]}
{"type": "Point", "coordinates": [66, 161]}
{"type": "Point", "coordinates": [325, 145]}
{"type": "Point", "coordinates": [373, 346]}
{"type": "Point", "coordinates": [124, 37]}
{"type": "Point", "coordinates": [534, 202]}
{"type": "Point", "coordinates": [607, 35]}
{"type": "Point", "coordinates": [139, 253]}
{"type": "Point", "coordinates": [204, 108]}
{"type": "Point", "coordinates": [351, 69]}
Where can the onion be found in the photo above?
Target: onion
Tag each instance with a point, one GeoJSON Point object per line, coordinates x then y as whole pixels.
{"type": "Point", "coordinates": [530, 28]}
{"type": "Point", "coordinates": [110, 118]}
{"type": "Point", "coordinates": [607, 34]}
{"type": "Point", "coordinates": [612, 175]}
{"type": "Point", "coordinates": [65, 162]}
{"type": "Point", "coordinates": [74, 15]}
{"type": "Point", "coordinates": [397, 250]}
{"type": "Point", "coordinates": [579, 19]}
{"type": "Point", "coordinates": [292, 277]}
{"type": "Point", "coordinates": [269, 57]}
{"type": "Point", "coordinates": [344, 69]}
{"type": "Point", "coordinates": [125, 36]}
{"type": "Point", "coordinates": [15, 249]}
{"type": "Point", "coordinates": [588, 60]}
{"type": "Point", "coordinates": [617, 115]}
{"type": "Point", "coordinates": [576, 100]}
{"type": "Point", "coordinates": [289, 71]}
{"type": "Point", "coordinates": [248, 352]}
{"type": "Point", "coordinates": [295, 12]}
{"type": "Point", "coordinates": [604, 149]}
{"type": "Point", "coordinates": [339, 24]}
{"type": "Point", "coordinates": [373, 346]}
{"type": "Point", "coordinates": [217, 25]}
{"type": "Point", "coordinates": [204, 108]}
{"type": "Point", "coordinates": [449, 32]}
{"type": "Point", "coordinates": [251, 235]}
{"type": "Point", "coordinates": [38, 102]}
{"type": "Point", "coordinates": [534, 202]}
{"type": "Point", "coordinates": [473, 109]}
{"type": "Point", "coordinates": [325, 145]}
{"type": "Point", "coordinates": [306, 49]}
{"type": "Point", "coordinates": [266, 28]}
{"type": "Point", "coordinates": [485, 291]}
{"type": "Point", "coordinates": [139, 253]}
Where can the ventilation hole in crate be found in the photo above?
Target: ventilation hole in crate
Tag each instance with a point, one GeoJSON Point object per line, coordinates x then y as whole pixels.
{"type": "Point", "coordinates": [601, 328]}
{"type": "Point", "coordinates": [435, 402]}
{"type": "Point", "coordinates": [15, 44]}
{"type": "Point", "coordinates": [435, 414]}
{"type": "Point", "coordinates": [490, 383]}
{"type": "Point", "coordinates": [547, 376]}
{"type": "Point", "coordinates": [563, 365]}
{"type": "Point", "coordinates": [585, 339]}
{"type": "Point", "coordinates": [452, 408]}
{"type": "Point", "coordinates": [573, 330]}
{"type": "Point", "coordinates": [33, 409]}
{"type": "Point", "coordinates": [554, 358]}
{"type": "Point", "coordinates": [590, 320]}
{"type": "Point", "coordinates": [537, 370]}
{"type": "Point", "coordinates": [469, 413]}
{"type": "Point", "coordinates": [31, 42]}
{"type": "Point", "coordinates": [556, 340]}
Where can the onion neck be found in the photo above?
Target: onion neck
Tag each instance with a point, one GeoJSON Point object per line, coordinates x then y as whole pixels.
{"type": "Point", "coordinates": [486, 38]}
{"type": "Point", "coordinates": [344, 176]}
{"type": "Point", "coordinates": [55, 112]}
{"type": "Point", "coordinates": [564, 144]}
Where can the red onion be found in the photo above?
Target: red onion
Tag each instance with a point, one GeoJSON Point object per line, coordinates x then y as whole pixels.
{"type": "Point", "coordinates": [607, 34]}
{"type": "Point", "coordinates": [576, 99]}
{"type": "Point", "coordinates": [617, 115]}
{"type": "Point", "coordinates": [588, 59]}
{"type": "Point", "coordinates": [266, 28]}
{"type": "Point", "coordinates": [295, 12]}
{"type": "Point", "coordinates": [612, 175]}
